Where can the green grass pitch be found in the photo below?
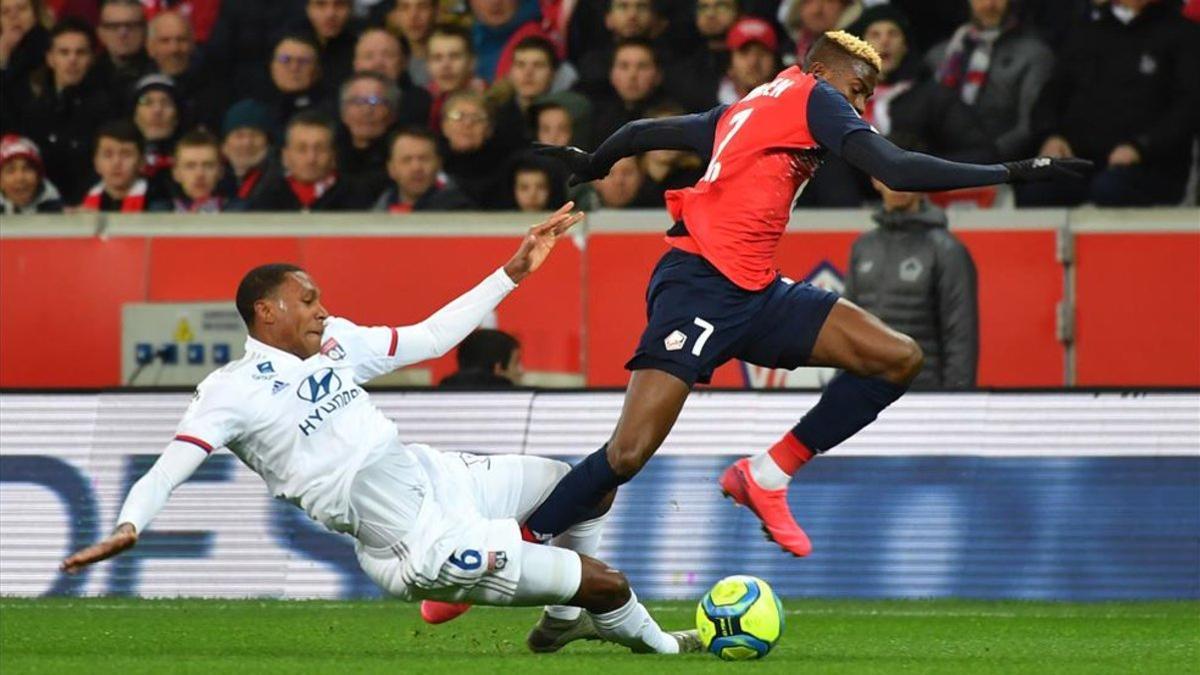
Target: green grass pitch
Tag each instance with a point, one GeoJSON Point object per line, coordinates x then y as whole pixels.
{"type": "Point", "coordinates": [168, 636]}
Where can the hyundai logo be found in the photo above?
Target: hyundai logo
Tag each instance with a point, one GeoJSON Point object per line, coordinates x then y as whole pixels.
{"type": "Point", "coordinates": [320, 384]}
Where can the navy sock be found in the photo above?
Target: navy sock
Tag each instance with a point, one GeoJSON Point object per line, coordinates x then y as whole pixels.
{"type": "Point", "coordinates": [577, 496]}
{"type": "Point", "coordinates": [849, 403]}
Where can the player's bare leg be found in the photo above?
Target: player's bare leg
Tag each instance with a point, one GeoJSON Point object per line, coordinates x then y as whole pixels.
{"type": "Point", "coordinates": [652, 404]}
{"type": "Point", "coordinates": [879, 363]}
{"type": "Point", "coordinates": [618, 616]}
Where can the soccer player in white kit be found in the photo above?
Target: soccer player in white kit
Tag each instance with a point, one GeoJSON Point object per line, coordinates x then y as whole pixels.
{"type": "Point", "coordinates": [428, 525]}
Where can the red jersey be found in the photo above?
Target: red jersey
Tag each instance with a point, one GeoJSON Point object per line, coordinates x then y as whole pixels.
{"type": "Point", "coordinates": [764, 151]}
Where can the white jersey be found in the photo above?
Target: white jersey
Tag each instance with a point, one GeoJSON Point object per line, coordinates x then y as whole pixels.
{"type": "Point", "coordinates": [307, 425]}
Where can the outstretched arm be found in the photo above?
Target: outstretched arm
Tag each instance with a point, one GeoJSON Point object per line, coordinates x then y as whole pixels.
{"type": "Point", "coordinates": [838, 128]}
{"type": "Point", "coordinates": [693, 133]}
{"type": "Point", "coordinates": [147, 497]}
{"type": "Point", "coordinates": [448, 326]}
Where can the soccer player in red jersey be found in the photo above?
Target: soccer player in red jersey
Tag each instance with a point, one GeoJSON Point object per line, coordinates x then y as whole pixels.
{"type": "Point", "coordinates": [716, 295]}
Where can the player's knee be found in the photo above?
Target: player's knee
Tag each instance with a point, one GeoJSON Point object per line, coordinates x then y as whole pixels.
{"type": "Point", "coordinates": [615, 591]}
{"type": "Point", "coordinates": [628, 458]}
{"type": "Point", "coordinates": [909, 362]}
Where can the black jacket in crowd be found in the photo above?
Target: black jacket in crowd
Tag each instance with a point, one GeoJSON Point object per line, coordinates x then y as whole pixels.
{"type": "Point", "coordinates": [243, 40]}
{"type": "Point", "coordinates": [920, 280]}
{"type": "Point", "coordinates": [28, 56]}
{"type": "Point", "coordinates": [1137, 83]}
{"type": "Point", "coordinates": [63, 124]}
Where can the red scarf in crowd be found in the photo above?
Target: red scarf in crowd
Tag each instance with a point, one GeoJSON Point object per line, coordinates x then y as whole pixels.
{"type": "Point", "coordinates": [134, 202]}
{"type": "Point", "coordinates": [248, 183]}
{"type": "Point", "coordinates": [309, 193]}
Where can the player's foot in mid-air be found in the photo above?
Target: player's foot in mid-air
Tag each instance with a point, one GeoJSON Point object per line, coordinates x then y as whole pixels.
{"type": "Point", "coordinates": [769, 505]}
{"type": "Point", "coordinates": [551, 634]}
{"type": "Point", "coordinates": [435, 611]}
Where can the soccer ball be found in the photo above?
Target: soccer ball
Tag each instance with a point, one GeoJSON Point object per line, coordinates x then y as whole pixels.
{"type": "Point", "coordinates": [740, 619]}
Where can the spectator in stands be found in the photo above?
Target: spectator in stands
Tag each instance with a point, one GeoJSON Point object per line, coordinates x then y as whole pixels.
{"type": "Point", "coordinates": [917, 277]}
{"type": "Point", "coordinates": [534, 63]}
{"type": "Point", "coordinates": [625, 20]}
{"type": "Point", "coordinates": [635, 78]}
{"type": "Point", "coordinates": [123, 34]}
{"type": "Point", "coordinates": [669, 169]}
{"type": "Point", "coordinates": [806, 20]}
{"type": "Point", "coordinates": [553, 124]}
{"type": "Point", "coordinates": [693, 80]}
{"type": "Point", "coordinates": [626, 186]}
{"type": "Point", "coordinates": [537, 184]}
{"type": "Point", "coordinates": [201, 15]}
{"type": "Point", "coordinates": [474, 155]}
{"type": "Point", "coordinates": [368, 103]}
{"type": "Point", "coordinates": [172, 48]}
{"type": "Point", "coordinates": [413, 20]}
{"type": "Point", "coordinates": [23, 184]}
{"type": "Point", "coordinates": [998, 68]}
{"type": "Point", "coordinates": [418, 184]}
{"type": "Point", "coordinates": [197, 173]}
{"type": "Point", "coordinates": [496, 23]}
{"type": "Point", "coordinates": [487, 359]}
{"type": "Point", "coordinates": [752, 59]}
{"type": "Point", "coordinates": [295, 80]}
{"type": "Point", "coordinates": [309, 181]}
{"type": "Point", "coordinates": [66, 103]}
{"type": "Point", "coordinates": [242, 43]}
{"type": "Point", "coordinates": [451, 68]}
{"type": "Point", "coordinates": [381, 52]}
{"type": "Point", "coordinates": [571, 118]}
{"type": "Point", "coordinates": [245, 148]}
{"type": "Point", "coordinates": [327, 23]}
{"type": "Point", "coordinates": [156, 114]}
{"type": "Point", "coordinates": [24, 40]}
{"type": "Point", "coordinates": [1125, 94]}
{"type": "Point", "coordinates": [118, 161]}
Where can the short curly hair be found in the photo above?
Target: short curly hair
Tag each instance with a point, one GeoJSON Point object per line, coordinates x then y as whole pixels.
{"type": "Point", "coordinates": [844, 44]}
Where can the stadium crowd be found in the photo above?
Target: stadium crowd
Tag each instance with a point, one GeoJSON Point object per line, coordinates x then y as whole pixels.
{"type": "Point", "coordinates": [417, 105]}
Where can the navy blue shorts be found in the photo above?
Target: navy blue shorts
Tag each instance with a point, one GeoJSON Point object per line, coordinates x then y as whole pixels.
{"type": "Point", "coordinates": [697, 320]}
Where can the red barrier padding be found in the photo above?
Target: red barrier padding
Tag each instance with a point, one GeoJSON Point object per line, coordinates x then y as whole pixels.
{"type": "Point", "coordinates": [61, 301]}
{"type": "Point", "coordinates": [1137, 309]}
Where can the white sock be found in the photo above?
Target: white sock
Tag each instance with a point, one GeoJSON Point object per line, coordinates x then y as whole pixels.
{"type": "Point", "coordinates": [767, 473]}
{"type": "Point", "coordinates": [632, 626]}
{"type": "Point", "coordinates": [584, 539]}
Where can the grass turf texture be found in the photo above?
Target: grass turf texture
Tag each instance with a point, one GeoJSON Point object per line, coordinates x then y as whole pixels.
{"type": "Point", "coordinates": [135, 636]}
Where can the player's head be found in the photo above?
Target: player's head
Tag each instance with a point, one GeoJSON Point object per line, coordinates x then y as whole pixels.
{"type": "Point", "coordinates": [282, 308]}
{"type": "Point", "coordinates": [847, 63]}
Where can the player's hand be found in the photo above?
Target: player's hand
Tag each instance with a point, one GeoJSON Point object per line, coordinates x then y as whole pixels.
{"type": "Point", "coordinates": [579, 162]}
{"type": "Point", "coordinates": [122, 539]}
{"type": "Point", "coordinates": [1124, 155]}
{"type": "Point", "coordinates": [1046, 168]}
{"type": "Point", "coordinates": [536, 245]}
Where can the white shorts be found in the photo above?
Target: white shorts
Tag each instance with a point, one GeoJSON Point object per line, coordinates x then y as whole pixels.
{"type": "Point", "coordinates": [479, 556]}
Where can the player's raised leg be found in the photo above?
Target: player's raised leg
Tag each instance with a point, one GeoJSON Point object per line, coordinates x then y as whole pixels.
{"type": "Point", "coordinates": [878, 364]}
{"type": "Point", "coordinates": [652, 404]}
